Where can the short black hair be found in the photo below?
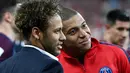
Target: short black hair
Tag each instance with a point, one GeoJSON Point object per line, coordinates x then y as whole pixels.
{"type": "Point", "coordinates": [7, 5]}
{"type": "Point", "coordinates": [117, 14]}
{"type": "Point", "coordinates": [66, 13]}
{"type": "Point", "coordinates": [35, 14]}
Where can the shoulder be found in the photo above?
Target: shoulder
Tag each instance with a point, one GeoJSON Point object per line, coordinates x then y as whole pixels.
{"type": "Point", "coordinates": [118, 51]}
{"type": "Point", "coordinates": [53, 67]}
{"type": "Point", "coordinates": [111, 47]}
{"type": "Point", "coordinates": [26, 61]}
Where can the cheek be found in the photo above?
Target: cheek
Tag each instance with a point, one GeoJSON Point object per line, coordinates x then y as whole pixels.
{"type": "Point", "coordinates": [54, 38]}
{"type": "Point", "coordinates": [114, 32]}
{"type": "Point", "coordinates": [115, 36]}
{"type": "Point", "coordinates": [70, 41]}
{"type": "Point", "coordinates": [115, 39]}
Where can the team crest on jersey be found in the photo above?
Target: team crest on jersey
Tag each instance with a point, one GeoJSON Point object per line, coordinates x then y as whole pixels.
{"type": "Point", "coordinates": [105, 70]}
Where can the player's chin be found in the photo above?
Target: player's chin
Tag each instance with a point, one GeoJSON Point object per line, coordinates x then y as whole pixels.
{"type": "Point", "coordinates": [121, 43]}
{"type": "Point", "coordinates": [85, 45]}
{"type": "Point", "coordinates": [57, 50]}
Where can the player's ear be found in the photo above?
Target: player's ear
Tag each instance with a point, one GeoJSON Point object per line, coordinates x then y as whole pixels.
{"type": "Point", "coordinates": [36, 32]}
{"type": "Point", "coordinates": [8, 17]}
{"type": "Point", "coordinates": [107, 26]}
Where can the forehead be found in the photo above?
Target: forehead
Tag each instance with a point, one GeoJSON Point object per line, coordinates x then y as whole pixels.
{"type": "Point", "coordinates": [55, 21]}
{"type": "Point", "coordinates": [74, 21]}
{"type": "Point", "coordinates": [122, 24]}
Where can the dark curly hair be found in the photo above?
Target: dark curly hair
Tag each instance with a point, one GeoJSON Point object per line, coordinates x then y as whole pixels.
{"type": "Point", "coordinates": [35, 14]}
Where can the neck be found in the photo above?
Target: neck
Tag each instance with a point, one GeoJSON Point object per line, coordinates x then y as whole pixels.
{"type": "Point", "coordinates": [126, 43]}
{"type": "Point", "coordinates": [81, 59]}
{"type": "Point", "coordinates": [73, 52]}
{"type": "Point", "coordinates": [35, 42]}
{"type": "Point", "coordinates": [7, 30]}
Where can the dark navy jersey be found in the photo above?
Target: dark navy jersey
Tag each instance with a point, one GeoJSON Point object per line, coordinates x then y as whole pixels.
{"type": "Point", "coordinates": [6, 47]}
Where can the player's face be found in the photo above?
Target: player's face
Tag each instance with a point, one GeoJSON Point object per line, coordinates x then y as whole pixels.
{"type": "Point", "coordinates": [77, 32]}
{"type": "Point", "coordinates": [119, 32]}
{"type": "Point", "coordinates": [54, 37]}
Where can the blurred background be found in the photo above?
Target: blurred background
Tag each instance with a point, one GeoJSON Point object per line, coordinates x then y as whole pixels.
{"type": "Point", "coordinates": [94, 12]}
